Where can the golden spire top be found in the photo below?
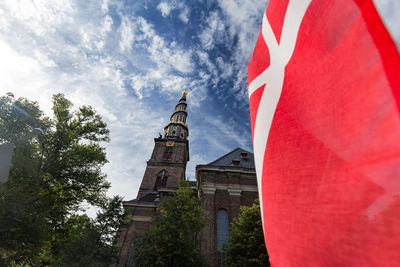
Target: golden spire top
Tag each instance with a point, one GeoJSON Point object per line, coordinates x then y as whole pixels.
{"type": "Point", "coordinates": [184, 93]}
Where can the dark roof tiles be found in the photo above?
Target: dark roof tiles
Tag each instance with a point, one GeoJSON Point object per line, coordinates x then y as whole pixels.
{"type": "Point", "coordinates": [236, 158]}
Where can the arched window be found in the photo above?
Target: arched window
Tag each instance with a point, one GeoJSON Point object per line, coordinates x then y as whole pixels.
{"type": "Point", "coordinates": [168, 152]}
{"type": "Point", "coordinates": [161, 180]}
{"type": "Point", "coordinates": [222, 233]}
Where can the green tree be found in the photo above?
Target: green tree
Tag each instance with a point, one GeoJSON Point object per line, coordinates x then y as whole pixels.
{"type": "Point", "coordinates": [246, 246]}
{"type": "Point", "coordinates": [56, 166]}
{"type": "Point", "coordinates": [90, 242]}
{"type": "Point", "coordinates": [171, 238]}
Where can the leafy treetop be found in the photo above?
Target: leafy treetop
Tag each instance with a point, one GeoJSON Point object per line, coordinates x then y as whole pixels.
{"type": "Point", "coordinates": [171, 238]}
{"type": "Point", "coordinates": [246, 246]}
{"type": "Point", "coordinates": [56, 167]}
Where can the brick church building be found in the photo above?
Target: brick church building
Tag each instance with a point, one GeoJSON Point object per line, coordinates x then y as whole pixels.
{"type": "Point", "coordinates": [222, 186]}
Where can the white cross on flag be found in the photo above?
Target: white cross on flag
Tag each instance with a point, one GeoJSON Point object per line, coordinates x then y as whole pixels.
{"type": "Point", "coordinates": [324, 87]}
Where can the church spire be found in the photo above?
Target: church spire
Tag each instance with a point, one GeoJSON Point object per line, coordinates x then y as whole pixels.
{"type": "Point", "coordinates": [177, 128]}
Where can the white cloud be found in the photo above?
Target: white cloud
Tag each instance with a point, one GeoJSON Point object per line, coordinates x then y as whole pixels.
{"type": "Point", "coordinates": [4, 23]}
{"type": "Point", "coordinates": [165, 8]}
{"type": "Point", "coordinates": [164, 54]}
{"type": "Point", "coordinates": [104, 5]}
{"type": "Point", "coordinates": [40, 16]}
{"type": "Point", "coordinates": [184, 14]}
{"type": "Point", "coordinates": [237, 20]}
{"type": "Point", "coordinates": [244, 16]}
{"type": "Point", "coordinates": [167, 65]}
{"type": "Point", "coordinates": [23, 73]}
{"type": "Point", "coordinates": [226, 68]}
{"type": "Point", "coordinates": [43, 59]}
{"type": "Point", "coordinates": [212, 69]}
{"type": "Point", "coordinates": [214, 32]}
{"type": "Point", "coordinates": [126, 32]}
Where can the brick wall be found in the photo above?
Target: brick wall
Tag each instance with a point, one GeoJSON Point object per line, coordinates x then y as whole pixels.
{"type": "Point", "coordinates": [175, 165]}
{"type": "Point", "coordinates": [139, 219]}
{"type": "Point", "coordinates": [222, 188]}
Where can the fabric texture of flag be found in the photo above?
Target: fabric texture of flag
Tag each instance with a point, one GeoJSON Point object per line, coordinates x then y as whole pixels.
{"type": "Point", "coordinates": [324, 88]}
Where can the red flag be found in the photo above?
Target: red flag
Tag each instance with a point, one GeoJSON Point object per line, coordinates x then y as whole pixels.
{"type": "Point", "coordinates": [324, 87]}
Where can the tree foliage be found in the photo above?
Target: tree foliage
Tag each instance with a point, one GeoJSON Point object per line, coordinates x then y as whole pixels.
{"type": "Point", "coordinates": [90, 242]}
{"type": "Point", "coordinates": [246, 246]}
{"type": "Point", "coordinates": [171, 238]}
{"type": "Point", "coordinates": [56, 166]}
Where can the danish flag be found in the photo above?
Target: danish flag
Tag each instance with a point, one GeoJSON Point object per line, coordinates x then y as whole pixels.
{"type": "Point", "coordinates": [324, 88]}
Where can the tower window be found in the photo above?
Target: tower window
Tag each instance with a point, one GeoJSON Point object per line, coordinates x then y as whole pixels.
{"type": "Point", "coordinates": [168, 153]}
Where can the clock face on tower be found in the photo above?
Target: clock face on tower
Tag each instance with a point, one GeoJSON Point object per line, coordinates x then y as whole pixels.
{"type": "Point", "coordinates": [170, 143]}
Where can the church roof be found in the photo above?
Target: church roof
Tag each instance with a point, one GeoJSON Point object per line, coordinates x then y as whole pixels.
{"type": "Point", "coordinates": [149, 197]}
{"type": "Point", "coordinates": [236, 158]}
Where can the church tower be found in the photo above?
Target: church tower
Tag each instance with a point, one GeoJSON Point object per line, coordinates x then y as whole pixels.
{"type": "Point", "coordinates": [165, 168]}
{"type": "Point", "coordinates": [167, 164]}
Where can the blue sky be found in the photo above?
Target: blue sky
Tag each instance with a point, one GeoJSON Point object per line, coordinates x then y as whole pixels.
{"type": "Point", "coordinates": [131, 60]}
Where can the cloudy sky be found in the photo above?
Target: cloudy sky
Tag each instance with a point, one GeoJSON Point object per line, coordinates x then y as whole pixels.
{"type": "Point", "coordinates": [131, 60]}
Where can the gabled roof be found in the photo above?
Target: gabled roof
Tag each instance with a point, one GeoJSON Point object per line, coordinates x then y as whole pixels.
{"type": "Point", "coordinates": [236, 158]}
